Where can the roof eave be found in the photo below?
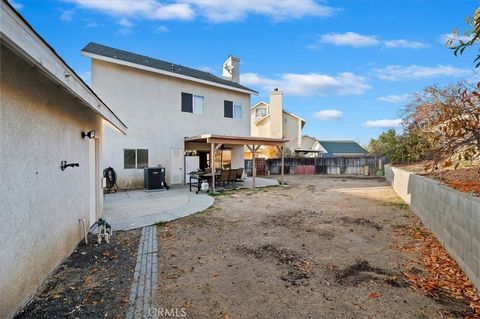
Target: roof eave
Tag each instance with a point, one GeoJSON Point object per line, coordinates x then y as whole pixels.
{"type": "Point", "coordinates": [163, 72]}
{"type": "Point", "coordinates": [17, 34]}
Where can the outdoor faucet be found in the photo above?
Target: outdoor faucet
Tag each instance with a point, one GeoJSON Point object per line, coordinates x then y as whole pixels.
{"type": "Point", "coordinates": [64, 165]}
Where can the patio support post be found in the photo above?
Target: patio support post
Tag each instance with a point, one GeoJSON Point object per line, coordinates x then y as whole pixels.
{"type": "Point", "coordinates": [283, 161]}
{"type": "Point", "coordinates": [212, 164]}
{"type": "Point", "coordinates": [281, 149]}
{"type": "Point", "coordinates": [254, 166]}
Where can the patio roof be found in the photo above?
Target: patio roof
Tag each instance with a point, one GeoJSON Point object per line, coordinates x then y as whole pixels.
{"type": "Point", "coordinates": [236, 140]}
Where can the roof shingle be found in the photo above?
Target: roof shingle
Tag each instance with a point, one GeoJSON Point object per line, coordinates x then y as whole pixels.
{"type": "Point", "coordinates": [117, 54]}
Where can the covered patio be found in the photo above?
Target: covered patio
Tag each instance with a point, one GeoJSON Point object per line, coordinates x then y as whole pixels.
{"type": "Point", "coordinates": [215, 142]}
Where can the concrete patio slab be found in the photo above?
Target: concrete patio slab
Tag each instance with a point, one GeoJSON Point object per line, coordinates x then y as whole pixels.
{"type": "Point", "coordinates": [137, 208]}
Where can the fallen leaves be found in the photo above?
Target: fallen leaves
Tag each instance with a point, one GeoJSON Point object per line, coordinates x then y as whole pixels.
{"type": "Point", "coordinates": [443, 275]}
{"type": "Point", "coordinates": [373, 295]}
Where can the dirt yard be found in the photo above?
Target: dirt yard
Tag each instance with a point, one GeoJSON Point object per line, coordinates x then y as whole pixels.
{"type": "Point", "coordinates": [94, 282]}
{"type": "Point", "coordinates": [319, 248]}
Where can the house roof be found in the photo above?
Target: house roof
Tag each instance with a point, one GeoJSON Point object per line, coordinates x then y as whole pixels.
{"type": "Point", "coordinates": [284, 110]}
{"type": "Point", "coordinates": [102, 52]}
{"type": "Point", "coordinates": [344, 147]}
{"type": "Point", "coordinates": [20, 36]}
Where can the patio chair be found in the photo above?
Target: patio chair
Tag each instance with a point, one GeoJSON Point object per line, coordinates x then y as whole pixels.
{"type": "Point", "coordinates": [224, 177]}
{"type": "Point", "coordinates": [232, 176]}
{"type": "Point", "coordinates": [239, 175]}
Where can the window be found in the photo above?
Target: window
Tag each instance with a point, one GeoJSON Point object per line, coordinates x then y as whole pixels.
{"type": "Point", "coordinates": [192, 103]}
{"type": "Point", "coordinates": [260, 112]}
{"type": "Point", "coordinates": [142, 158]}
{"type": "Point", "coordinates": [187, 102]}
{"type": "Point", "coordinates": [237, 110]}
{"type": "Point", "coordinates": [135, 158]}
{"type": "Point", "coordinates": [198, 104]}
{"type": "Point", "coordinates": [228, 109]}
{"type": "Point", "coordinates": [129, 159]}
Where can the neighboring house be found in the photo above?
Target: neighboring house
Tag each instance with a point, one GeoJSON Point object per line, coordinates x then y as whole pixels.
{"type": "Point", "coordinates": [342, 148]}
{"type": "Point", "coordinates": [164, 104]}
{"type": "Point", "coordinates": [272, 120]}
{"type": "Point", "coordinates": [44, 108]}
{"type": "Point", "coordinates": [310, 147]}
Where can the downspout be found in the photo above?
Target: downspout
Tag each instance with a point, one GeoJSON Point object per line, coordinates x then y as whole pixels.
{"type": "Point", "coordinates": [82, 220]}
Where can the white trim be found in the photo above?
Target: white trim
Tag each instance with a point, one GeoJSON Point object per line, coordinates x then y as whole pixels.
{"type": "Point", "coordinates": [298, 117]}
{"type": "Point", "coordinates": [20, 37]}
{"type": "Point", "coordinates": [163, 72]}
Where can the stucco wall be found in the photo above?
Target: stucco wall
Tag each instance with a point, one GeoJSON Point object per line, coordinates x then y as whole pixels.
{"type": "Point", "coordinates": [40, 205]}
{"type": "Point", "coordinates": [292, 128]}
{"type": "Point", "coordinates": [150, 105]}
{"type": "Point", "coordinates": [453, 217]}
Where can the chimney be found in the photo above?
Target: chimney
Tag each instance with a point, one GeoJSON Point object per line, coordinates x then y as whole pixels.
{"type": "Point", "coordinates": [276, 114]}
{"type": "Point", "coordinates": [231, 69]}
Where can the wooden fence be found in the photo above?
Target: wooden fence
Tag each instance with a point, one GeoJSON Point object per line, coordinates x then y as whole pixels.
{"type": "Point", "coordinates": [316, 165]}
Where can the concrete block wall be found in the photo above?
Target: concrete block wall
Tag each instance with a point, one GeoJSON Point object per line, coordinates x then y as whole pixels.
{"type": "Point", "coordinates": [453, 216]}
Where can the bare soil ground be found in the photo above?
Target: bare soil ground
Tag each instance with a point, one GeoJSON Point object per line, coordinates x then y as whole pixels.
{"type": "Point", "coordinates": [94, 282]}
{"type": "Point", "coordinates": [319, 248]}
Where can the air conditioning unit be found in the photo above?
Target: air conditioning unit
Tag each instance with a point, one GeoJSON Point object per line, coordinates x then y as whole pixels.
{"type": "Point", "coordinates": [154, 178]}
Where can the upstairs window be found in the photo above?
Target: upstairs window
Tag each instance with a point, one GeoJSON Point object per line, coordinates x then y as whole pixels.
{"type": "Point", "coordinates": [260, 112]}
{"type": "Point", "coordinates": [192, 103]}
{"type": "Point", "coordinates": [228, 109]}
{"type": "Point", "coordinates": [187, 102]}
{"type": "Point", "coordinates": [237, 110]}
{"type": "Point", "coordinates": [198, 104]}
{"type": "Point", "coordinates": [135, 158]}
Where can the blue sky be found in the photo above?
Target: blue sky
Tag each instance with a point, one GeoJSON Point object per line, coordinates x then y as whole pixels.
{"type": "Point", "coordinates": [346, 67]}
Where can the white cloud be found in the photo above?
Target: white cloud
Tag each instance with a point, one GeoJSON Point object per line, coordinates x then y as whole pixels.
{"type": "Point", "coordinates": [401, 43]}
{"type": "Point", "coordinates": [357, 40]}
{"type": "Point", "coordinates": [383, 123]}
{"type": "Point", "coordinates": [66, 15]}
{"type": "Point", "coordinates": [236, 10]}
{"type": "Point", "coordinates": [146, 9]}
{"type": "Point", "coordinates": [310, 84]}
{"type": "Point", "coordinates": [349, 39]}
{"type": "Point", "coordinates": [162, 29]}
{"type": "Point", "coordinates": [328, 115]}
{"type": "Point", "coordinates": [124, 22]}
{"type": "Point", "coordinates": [451, 39]}
{"type": "Point", "coordinates": [394, 98]}
{"type": "Point", "coordinates": [90, 23]}
{"type": "Point", "coordinates": [15, 4]}
{"type": "Point", "coordinates": [212, 10]}
{"type": "Point", "coordinates": [399, 72]}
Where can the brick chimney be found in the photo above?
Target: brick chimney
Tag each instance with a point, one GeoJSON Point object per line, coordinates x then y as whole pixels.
{"type": "Point", "coordinates": [276, 114]}
{"type": "Point", "coordinates": [231, 69]}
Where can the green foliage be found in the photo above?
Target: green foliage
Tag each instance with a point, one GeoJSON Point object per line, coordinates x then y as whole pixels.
{"type": "Point", "coordinates": [472, 35]}
{"type": "Point", "coordinates": [409, 147]}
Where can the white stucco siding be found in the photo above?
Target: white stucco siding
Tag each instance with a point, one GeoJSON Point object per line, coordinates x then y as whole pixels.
{"type": "Point", "coordinates": [40, 205]}
{"type": "Point", "coordinates": [150, 105]}
{"type": "Point", "coordinates": [292, 130]}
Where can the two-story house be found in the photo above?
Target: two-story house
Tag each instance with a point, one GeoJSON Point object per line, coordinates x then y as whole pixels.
{"type": "Point", "coordinates": [272, 120]}
{"type": "Point", "coordinates": [164, 105]}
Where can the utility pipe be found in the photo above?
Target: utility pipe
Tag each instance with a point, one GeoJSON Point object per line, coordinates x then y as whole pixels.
{"type": "Point", "coordinates": [82, 220]}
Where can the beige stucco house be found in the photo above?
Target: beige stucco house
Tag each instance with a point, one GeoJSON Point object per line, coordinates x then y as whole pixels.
{"type": "Point", "coordinates": [272, 120]}
{"type": "Point", "coordinates": [44, 108]}
{"type": "Point", "coordinates": [164, 104]}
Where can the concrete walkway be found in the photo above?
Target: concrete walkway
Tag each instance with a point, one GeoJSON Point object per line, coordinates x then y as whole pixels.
{"type": "Point", "coordinates": [137, 208]}
{"type": "Point", "coordinates": [145, 276]}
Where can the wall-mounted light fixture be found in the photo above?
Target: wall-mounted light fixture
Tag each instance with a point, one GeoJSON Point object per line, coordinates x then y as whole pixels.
{"type": "Point", "coordinates": [90, 134]}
